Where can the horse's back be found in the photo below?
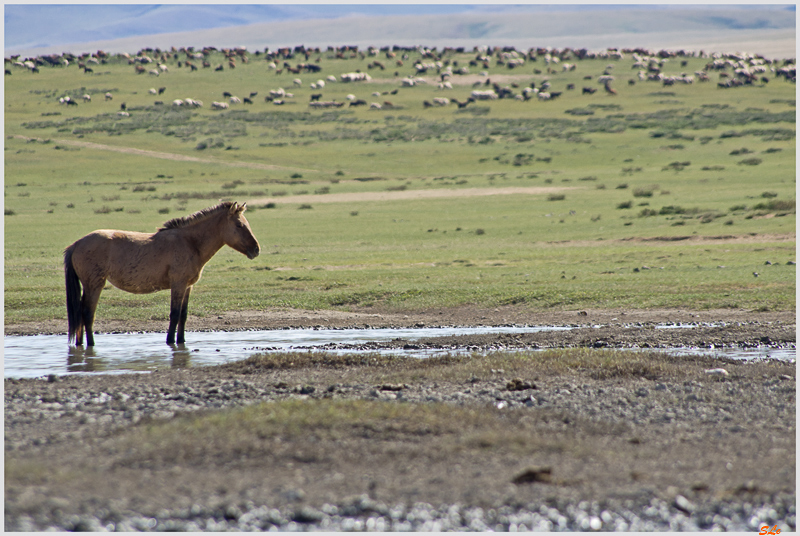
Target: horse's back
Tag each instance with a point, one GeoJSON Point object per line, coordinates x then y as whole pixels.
{"type": "Point", "coordinates": [129, 260]}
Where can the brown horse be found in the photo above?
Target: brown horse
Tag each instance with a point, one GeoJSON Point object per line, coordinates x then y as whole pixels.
{"type": "Point", "coordinates": [171, 258]}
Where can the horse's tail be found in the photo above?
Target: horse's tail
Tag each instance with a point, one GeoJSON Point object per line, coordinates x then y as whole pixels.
{"type": "Point", "coordinates": [74, 317]}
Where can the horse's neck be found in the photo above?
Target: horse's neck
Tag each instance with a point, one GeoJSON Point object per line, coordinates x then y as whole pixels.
{"type": "Point", "coordinates": [205, 236]}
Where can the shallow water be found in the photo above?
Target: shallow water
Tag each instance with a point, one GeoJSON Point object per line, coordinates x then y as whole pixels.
{"type": "Point", "coordinates": [41, 355]}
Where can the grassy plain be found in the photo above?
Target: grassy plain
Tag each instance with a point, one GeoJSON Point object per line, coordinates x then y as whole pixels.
{"type": "Point", "coordinates": [671, 196]}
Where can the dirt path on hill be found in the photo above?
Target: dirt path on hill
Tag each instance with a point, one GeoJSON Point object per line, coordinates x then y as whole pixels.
{"type": "Point", "coordinates": [404, 195]}
{"type": "Point", "coordinates": [168, 156]}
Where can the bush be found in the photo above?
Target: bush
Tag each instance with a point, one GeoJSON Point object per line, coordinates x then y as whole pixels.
{"type": "Point", "coordinates": [625, 204]}
{"type": "Point", "coordinates": [769, 195]}
{"type": "Point", "coordinates": [8, 212]}
{"type": "Point", "coordinates": [646, 191]}
{"type": "Point", "coordinates": [774, 204]}
{"type": "Point", "coordinates": [750, 162]}
{"type": "Point", "coordinates": [304, 206]}
{"type": "Point", "coordinates": [556, 197]}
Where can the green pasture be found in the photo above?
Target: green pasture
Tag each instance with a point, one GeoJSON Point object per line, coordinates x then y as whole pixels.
{"type": "Point", "coordinates": [667, 196]}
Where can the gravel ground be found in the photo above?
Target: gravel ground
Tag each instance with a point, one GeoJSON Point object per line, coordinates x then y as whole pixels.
{"type": "Point", "coordinates": [680, 449]}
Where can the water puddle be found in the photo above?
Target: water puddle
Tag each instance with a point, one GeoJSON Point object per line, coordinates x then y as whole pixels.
{"type": "Point", "coordinates": [39, 355]}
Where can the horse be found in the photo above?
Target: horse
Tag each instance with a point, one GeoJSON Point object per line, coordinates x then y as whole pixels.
{"type": "Point", "coordinates": [171, 258]}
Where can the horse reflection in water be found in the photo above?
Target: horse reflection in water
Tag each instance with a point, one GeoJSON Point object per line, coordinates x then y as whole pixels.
{"type": "Point", "coordinates": [171, 258]}
{"type": "Point", "coordinates": [87, 360]}
{"type": "Point", "coordinates": [80, 360]}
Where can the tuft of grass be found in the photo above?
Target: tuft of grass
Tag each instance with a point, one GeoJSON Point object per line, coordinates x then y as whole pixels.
{"type": "Point", "coordinates": [378, 368]}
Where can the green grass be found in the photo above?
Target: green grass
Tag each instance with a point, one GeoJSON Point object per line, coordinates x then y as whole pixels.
{"type": "Point", "coordinates": [678, 150]}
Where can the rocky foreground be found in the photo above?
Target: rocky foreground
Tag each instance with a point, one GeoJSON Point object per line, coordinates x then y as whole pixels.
{"type": "Point", "coordinates": [583, 439]}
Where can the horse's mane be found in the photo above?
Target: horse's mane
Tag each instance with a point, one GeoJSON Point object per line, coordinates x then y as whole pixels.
{"type": "Point", "coordinates": [200, 215]}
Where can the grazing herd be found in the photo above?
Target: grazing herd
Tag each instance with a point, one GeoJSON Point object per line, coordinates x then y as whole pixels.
{"type": "Point", "coordinates": [731, 70]}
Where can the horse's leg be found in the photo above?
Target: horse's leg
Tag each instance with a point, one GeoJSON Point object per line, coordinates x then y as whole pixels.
{"type": "Point", "coordinates": [184, 314]}
{"type": "Point", "coordinates": [91, 295]}
{"type": "Point", "coordinates": [175, 306]}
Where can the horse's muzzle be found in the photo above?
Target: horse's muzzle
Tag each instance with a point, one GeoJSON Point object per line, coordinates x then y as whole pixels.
{"type": "Point", "coordinates": [253, 253]}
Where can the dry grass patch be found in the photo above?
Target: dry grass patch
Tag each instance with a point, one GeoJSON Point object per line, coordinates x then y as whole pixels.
{"type": "Point", "coordinates": [300, 430]}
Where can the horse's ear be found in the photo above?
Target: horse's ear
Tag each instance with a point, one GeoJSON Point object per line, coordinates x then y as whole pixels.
{"type": "Point", "coordinates": [234, 209]}
{"type": "Point", "coordinates": [242, 207]}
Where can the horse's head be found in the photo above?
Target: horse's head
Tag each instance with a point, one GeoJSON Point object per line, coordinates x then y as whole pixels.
{"type": "Point", "coordinates": [238, 234]}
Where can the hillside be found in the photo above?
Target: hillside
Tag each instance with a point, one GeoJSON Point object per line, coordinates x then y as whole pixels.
{"type": "Point", "coordinates": [767, 31]}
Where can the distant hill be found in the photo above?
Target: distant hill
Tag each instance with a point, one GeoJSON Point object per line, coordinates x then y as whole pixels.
{"type": "Point", "coordinates": [768, 30]}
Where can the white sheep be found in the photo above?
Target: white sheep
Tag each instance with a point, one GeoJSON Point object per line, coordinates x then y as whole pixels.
{"type": "Point", "coordinates": [484, 95]}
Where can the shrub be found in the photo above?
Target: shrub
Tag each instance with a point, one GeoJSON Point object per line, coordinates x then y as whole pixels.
{"type": "Point", "coordinates": [304, 206]}
{"type": "Point", "coordinates": [102, 210]}
{"type": "Point", "coordinates": [8, 212]}
{"type": "Point", "coordinates": [769, 195]}
{"type": "Point", "coordinates": [671, 209]}
{"type": "Point", "coordinates": [556, 197]}
{"type": "Point", "coordinates": [625, 204]}
{"type": "Point", "coordinates": [479, 231]}
{"type": "Point", "coordinates": [622, 186]}
{"type": "Point", "coordinates": [750, 162]}
{"type": "Point", "coordinates": [775, 204]}
{"type": "Point", "coordinates": [164, 210]}
{"type": "Point", "coordinates": [646, 191]}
